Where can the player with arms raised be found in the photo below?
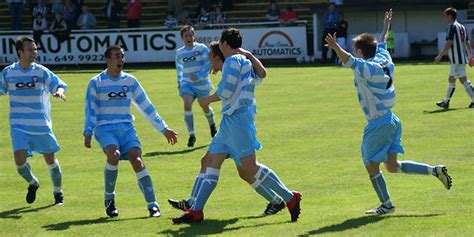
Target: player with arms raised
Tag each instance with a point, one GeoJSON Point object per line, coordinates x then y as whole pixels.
{"type": "Point", "coordinates": [373, 78]}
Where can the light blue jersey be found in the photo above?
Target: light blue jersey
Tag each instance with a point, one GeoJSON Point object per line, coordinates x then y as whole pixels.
{"type": "Point", "coordinates": [193, 61]}
{"type": "Point", "coordinates": [29, 89]}
{"type": "Point", "coordinates": [108, 102]}
{"type": "Point", "coordinates": [373, 79]}
{"type": "Point", "coordinates": [237, 87]}
{"type": "Point", "coordinates": [237, 135]}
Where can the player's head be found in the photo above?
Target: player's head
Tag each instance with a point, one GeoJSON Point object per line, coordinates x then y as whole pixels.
{"type": "Point", "coordinates": [187, 35]}
{"type": "Point", "coordinates": [365, 46]}
{"type": "Point", "coordinates": [216, 57]}
{"type": "Point", "coordinates": [26, 49]}
{"type": "Point", "coordinates": [332, 7]}
{"type": "Point", "coordinates": [450, 14]}
{"type": "Point", "coordinates": [231, 38]}
{"type": "Point", "coordinates": [114, 57]}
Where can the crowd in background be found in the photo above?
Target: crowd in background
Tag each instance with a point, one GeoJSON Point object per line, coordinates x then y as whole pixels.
{"type": "Point", "coordinates": [65, 15]}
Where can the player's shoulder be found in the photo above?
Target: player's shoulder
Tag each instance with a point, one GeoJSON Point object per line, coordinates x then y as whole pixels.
{"type": "Point", "coordinates": [200, 46]}
{"type": "Point", "coordinates": [180, 48]}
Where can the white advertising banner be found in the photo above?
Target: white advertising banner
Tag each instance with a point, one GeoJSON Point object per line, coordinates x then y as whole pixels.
{"type": "Point", "coordinates": [154, 46]}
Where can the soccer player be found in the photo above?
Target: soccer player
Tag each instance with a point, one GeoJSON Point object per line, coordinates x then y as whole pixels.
{"type": "Point", "coordinates": [236, 137]}
{"type": "Point", "coordinates": [275, 204]}
{"type": "Point", "coordinates": [29, 85]}
{"type": "Point", "coordinates": [458, 47]}
{"type": "Point", "coordinates": [108, 118]}
{"type": "Point", "coordinates": [373, 78]}
{"type": "Point", "coordinates": [192, 66]}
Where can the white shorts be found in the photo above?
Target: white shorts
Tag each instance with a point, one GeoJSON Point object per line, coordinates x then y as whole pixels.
{"type": "Point", "coordinates": [458, 70]}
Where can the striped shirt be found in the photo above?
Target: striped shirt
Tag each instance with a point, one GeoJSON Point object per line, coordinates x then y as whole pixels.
{"type": "Point", "coordinates": [108, 102]}
{"type": "Point", "coordinates": [458, 51]}
{"type": "Point", "coordinates": [29, 89]}
{"type": "Point", "coordinates": [193, 60]}
{"type": "Point", "coordinates": [373, 79]}
{"type": "Point", "coordinates": [237, 87]}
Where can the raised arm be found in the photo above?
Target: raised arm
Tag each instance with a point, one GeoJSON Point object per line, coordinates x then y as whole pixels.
{"type": "Point", "coordinates": [257, 64]}
{"type": "Point", "coordinates": [332, 43]}
{"type": "Point", "coordinates": [55, 85]}
{"type": "Point", "coordinates": [386, 25]}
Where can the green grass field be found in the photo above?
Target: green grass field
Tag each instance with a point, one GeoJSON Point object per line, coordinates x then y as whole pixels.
{"type": "Point", "coordinates": [310, 125]}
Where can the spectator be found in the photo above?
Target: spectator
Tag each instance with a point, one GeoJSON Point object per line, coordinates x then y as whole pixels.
{"type": "Point", "coordinates": [16, 8]}
{"type": "Point", "coordinates": [342, 27]}
{"type": "Point", "coordinates": [134, 13]}
{"type": "Point", "coordinates": [39, 26]}
{"type": "Point", "coordinates": [218, 17]}
{"type": "Point", "coordinates": [57, 7]}
{"type": "Point", "coordinates": [86, 20]}
{"type": "Point", "coordinates": [287, 16]}
{"type": "Point", "coordinates": [273, 12]}
{"type": "Point", "coordinates": [203, 19]}
{"type": "Point", "coordinates": [202, 3]}
{"type": "Point", "coordinates": [70, 14]}
{"type": "Point", "coordinates": [59, 28]}
{"type": "Point", "coordinates": [330, 23]}
{"type": "Point", "coordinates": [171, 22]}
{"type": "Point", "coordinates": [40, 9]}
{"type": "Point", "coordinates": [112, 10]}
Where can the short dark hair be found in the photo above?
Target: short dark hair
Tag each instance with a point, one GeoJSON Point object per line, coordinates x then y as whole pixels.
{"type": "Point", "coordinates": [186, 28]}
{"type": "Point", "coordinates": [233, 37]}
{"type": "Point", "coordinates": [108, 51]}
{"type": "Point", "coordinates": [20, 41]}
{"type": "Point", "coordinates": [367, 44]}
{"type": "Point", "coordinates": [451, 11]}
{"type": "Point", "coordinates": [214, 47]}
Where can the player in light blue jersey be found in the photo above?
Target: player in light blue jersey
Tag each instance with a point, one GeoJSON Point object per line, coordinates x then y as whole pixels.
{"type": "Point", "coordinates": [275, 203]}
{"type": "Point", "coordinates": [108, 118]}
{"type": "Point", "coordinates": [236, 137]}
{"type": "Point", "coordinates": [29, 85]}
{"type": "Point", "coordinates": [193, 66]}
{"type": "Point", "coordinates": [373, 78]}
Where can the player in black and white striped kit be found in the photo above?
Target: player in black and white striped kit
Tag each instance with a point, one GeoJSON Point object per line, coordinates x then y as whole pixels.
{"type": "Point", "coordinates": [459, 51]}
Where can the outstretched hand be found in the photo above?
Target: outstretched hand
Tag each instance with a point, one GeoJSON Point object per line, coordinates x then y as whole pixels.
{"type": "Point", "coordinates": [331, 41]}
{"type": "Point", "coordinates": [388, 17]}
{"type": "Point", "coordinates": [60, 94]}
{"type": "Point", "coordinates": [171, 136]}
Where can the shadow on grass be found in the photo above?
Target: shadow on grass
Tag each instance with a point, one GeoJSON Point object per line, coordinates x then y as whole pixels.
{"type": "Point", "coordinates": [16, 213]}
{"type": "Point", "coordinates": [158, 153]}
{"type": "Point", "coordinates": [441, 110]}
{"type": "Point", "coordinates": [211, 227]}
{"type": "Point", "coordinates": [66, 225]}
{"type": "Point", "coordinates": [355, 223]}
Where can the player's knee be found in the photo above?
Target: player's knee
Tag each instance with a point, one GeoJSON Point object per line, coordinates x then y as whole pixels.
{"type": "Point", "coordinates": [113, 157]}
{"type": "Point", "coordinates": [391, 168]}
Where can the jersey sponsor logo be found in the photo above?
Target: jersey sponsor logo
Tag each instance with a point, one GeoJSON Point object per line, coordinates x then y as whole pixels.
{"type": "Point", "coordinates": [118, 95]}
{"type": "Point", "coordinates": [25, 85]}
{"type": "Point", "coordinates": [191, 58]}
